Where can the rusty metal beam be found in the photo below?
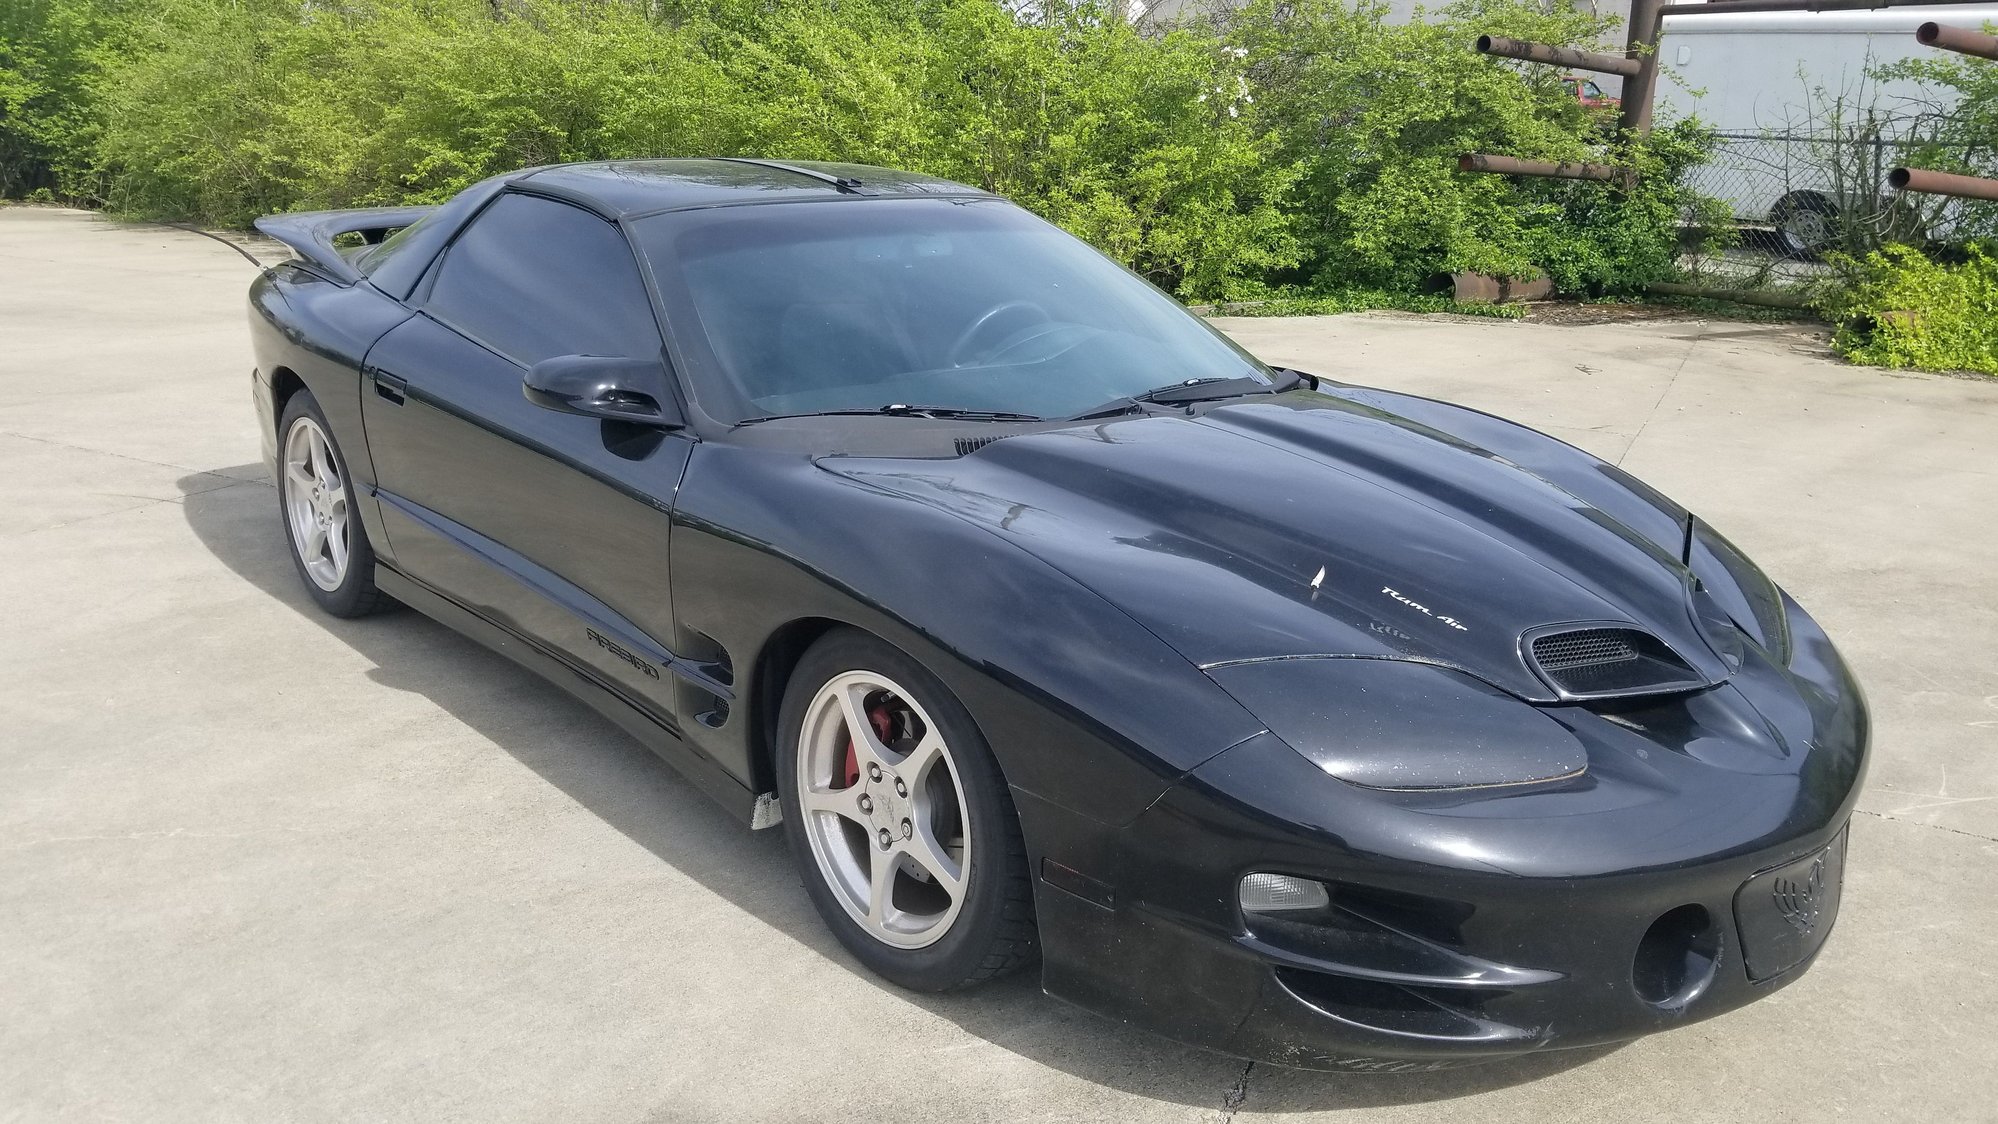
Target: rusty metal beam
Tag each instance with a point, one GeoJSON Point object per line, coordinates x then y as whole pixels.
{"type": "Point", "coordinates": [1508, 166]}
{"type": "Point", "coordinates": [1717, 6]}
{"type": "Point", "coordinates": [1501, 47]}
{"type": "Point", "coordinates": [1962, 40]}
{"type": "Point", "coordinates": [1763, 297]}
{"type": "Point", "coordinates": [1634, 115]}
{"type": "Point", "coordinates": [1942, 183]}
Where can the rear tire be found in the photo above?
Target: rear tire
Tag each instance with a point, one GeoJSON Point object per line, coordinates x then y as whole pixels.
{"type": "Point", "coordinates": [899, 819]}
{"type": "Point", "coordinates": [329, 547]}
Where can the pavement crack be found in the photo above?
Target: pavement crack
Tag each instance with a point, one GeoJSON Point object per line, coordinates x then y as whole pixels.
{"type": "Point", "coordinates": [1918, 823]}
{"type": "Point", "coordinates": [147, 505]}
{"type": "Point", "coordinates": [120, 456]}
{"type": "Point", "coordinates": [1237, 1094]}
{"type": "Point", "coordinates": [1691, 346]}
{"type": "Point", "coordinates": [160, 834]}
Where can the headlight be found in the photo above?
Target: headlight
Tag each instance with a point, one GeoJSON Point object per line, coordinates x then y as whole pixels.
{"type": "Point", "coordinates": [1398, 725]}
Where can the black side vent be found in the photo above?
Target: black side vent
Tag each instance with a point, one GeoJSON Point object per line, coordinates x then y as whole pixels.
{"type": "Point", "coordinates": [1601, 663]}
{"type": "Point", "coordinates": [969, 445]}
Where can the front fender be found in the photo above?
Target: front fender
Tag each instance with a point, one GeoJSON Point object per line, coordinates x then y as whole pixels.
{"type": "Point", "coordinates": [1084, 708]}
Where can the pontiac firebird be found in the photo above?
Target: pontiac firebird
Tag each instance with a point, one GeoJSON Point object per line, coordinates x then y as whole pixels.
{"type": "Point", "coordinates": [1314, 723]}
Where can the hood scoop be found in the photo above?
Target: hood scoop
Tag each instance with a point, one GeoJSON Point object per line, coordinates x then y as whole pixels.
{"type": "Point", "coordinates": [1606, 662]}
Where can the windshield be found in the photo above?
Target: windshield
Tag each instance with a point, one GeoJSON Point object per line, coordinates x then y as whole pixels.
{"type": "Point", "coordinates": [859, 305]}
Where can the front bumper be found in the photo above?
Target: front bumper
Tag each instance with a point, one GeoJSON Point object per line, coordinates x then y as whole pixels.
{"type": "Point", "coordinates": [1681, 877]}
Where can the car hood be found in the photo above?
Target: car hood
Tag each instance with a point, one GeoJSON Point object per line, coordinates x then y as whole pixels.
{"type": "Point", "coordinates": [1322, 524]}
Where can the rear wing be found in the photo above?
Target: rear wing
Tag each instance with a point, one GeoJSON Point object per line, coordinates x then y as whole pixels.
{"type": "Point", "coordinates": [311, 234]}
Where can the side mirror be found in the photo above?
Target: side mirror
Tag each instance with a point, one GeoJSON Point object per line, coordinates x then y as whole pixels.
{"type": "Point", "coordinates": [597, 386]}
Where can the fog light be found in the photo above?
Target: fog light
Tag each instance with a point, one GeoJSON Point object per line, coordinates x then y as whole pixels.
{"type": "Point", "coordinates": [1275, 893]}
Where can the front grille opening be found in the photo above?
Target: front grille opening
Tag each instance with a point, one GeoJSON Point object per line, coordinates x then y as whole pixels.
{"type": "Point", "coordinates": [1676, 957]}
{"type": "Point", "coordinates": [1607, 662]}
{"type": "Point", "coordinates": [1433, 919]}
{"type": "Point", "coordinates": [1427, 1012]}
{"type": "Point", "coordinates": [1365, 915]}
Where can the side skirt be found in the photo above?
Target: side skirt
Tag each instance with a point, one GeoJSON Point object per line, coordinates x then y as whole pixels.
{"type": "Point", "coordinates": [704, 773]}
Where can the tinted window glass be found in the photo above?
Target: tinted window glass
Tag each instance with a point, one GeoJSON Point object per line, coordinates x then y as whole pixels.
{"type": "Point", "coordinates": [533, 278]}
{"type": "Point", "coordinates": [372, 258]}
{"type": "Point", "coordinates": [831, 306]}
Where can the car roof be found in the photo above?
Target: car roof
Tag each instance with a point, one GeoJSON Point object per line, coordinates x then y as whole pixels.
{"type": "Point", "coordinates": [630, 188]}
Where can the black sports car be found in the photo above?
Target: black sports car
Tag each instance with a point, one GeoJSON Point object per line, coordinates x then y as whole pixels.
{"type": "Point", "coordinates": [1310, 722]}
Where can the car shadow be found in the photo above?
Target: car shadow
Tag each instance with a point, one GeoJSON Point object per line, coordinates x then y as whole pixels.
{"type": "Point", "coordinates": [636, 793]}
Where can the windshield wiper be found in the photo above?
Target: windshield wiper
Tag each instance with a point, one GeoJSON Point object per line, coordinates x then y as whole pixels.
{"type": "Point", "coordinates": [904, 410]}
{"type": "Point", "coordinates": [1192, 390]}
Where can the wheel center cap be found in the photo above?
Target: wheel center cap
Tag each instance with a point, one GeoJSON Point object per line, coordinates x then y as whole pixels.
{"type": "Point", "coordinates": [888, 811]}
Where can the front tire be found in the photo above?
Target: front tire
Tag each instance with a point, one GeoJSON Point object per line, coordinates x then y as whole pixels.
{"type": "Point", "coordinates": [329, 546]}
{"type": "Point", "coordinates": [899, 819]}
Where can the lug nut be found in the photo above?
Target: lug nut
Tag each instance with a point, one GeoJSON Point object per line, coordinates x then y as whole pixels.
{"type": "Point", "coordinates": [886, 839]}
{"type": "Point", "coordinates": [908, 829]}
{"type": "Point", "coordinates": [900, 788]}
{"type": "Point", "coordinates": [874, 772]}
{"type": "Point", "coordinates": [866, 804]}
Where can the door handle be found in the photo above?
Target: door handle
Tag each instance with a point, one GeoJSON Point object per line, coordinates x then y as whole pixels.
{"type": "Point", "coordinates": [391, 387]}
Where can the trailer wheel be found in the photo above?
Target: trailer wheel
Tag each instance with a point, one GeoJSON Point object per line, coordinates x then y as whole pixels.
{"type": "Point", "coordinates": [1806, 223]}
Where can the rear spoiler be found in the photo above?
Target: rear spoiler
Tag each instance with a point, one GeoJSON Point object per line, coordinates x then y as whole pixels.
{"type": "Point", "coordinates": [310, 234]}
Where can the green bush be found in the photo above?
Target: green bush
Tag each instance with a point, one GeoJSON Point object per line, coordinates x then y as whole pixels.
{"type": "Point", "coordinates": [1376, 115]}
{"type": "Point", "coordinates": [233, 108]}
{"type": "Point", "coordinates": [52, 54]}
{"type": "Point", "coordinates": [1900, 308]}
{"type": "Point", "coordinates": [1296, 149]}
{"type": "Point", "coordinates": [1957, 131]}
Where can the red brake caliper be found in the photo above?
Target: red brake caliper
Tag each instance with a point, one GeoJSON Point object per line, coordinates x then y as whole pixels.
{"type": "Point", "coordinates": [884, 726]}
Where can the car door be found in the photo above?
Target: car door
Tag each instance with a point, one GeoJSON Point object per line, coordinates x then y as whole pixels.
{"type": "Point", "coordinates": [550, 524]}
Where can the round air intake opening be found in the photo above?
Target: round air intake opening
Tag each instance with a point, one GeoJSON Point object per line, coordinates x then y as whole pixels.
{"type": "Point", "coordinates": [1676, 957]}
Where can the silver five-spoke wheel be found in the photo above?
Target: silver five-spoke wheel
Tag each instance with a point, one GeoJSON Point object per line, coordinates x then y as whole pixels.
{"type": "Point", "coordinates": [315, 501]}
{"type": "Point", "coordinates": [884, 811]}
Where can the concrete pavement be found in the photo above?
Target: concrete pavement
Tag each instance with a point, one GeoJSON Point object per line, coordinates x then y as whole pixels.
{"type": "Point", "coordinates": [258, 864]}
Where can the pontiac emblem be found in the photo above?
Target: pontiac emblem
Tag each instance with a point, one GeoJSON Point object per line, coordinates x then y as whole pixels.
{"type": "Point", "coordinates": [1800, 901]}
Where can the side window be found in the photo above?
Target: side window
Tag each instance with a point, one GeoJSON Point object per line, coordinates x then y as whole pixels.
{"type": "Point", "coordinates": [533, 278]}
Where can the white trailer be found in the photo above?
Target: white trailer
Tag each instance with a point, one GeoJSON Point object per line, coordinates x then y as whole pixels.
{"type": "Point", "coordinates": [1789, 92]}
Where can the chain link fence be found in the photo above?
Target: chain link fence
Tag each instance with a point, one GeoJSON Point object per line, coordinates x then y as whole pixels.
{"type": "Point", "coordinates": [1815, 191]}
{"type": "Point", "coordinates": [1751, 172]}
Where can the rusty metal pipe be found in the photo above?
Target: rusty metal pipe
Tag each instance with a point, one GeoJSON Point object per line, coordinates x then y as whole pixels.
{"type": "Point", "coordinates": [1942, 183]}
{"type": "Point", "coordinates": [1507, 166]}
{"type": "Point", "coordinates": [1718, 6]}
{"type": "Point", "coordinates": [1761, 297]}
{"type": "Point", "coordinates": [1645, 22]}
{"type": "Point", "coordinates": [1504, 48]}
{"type": "Point", "coordinates": [1962, 40]}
